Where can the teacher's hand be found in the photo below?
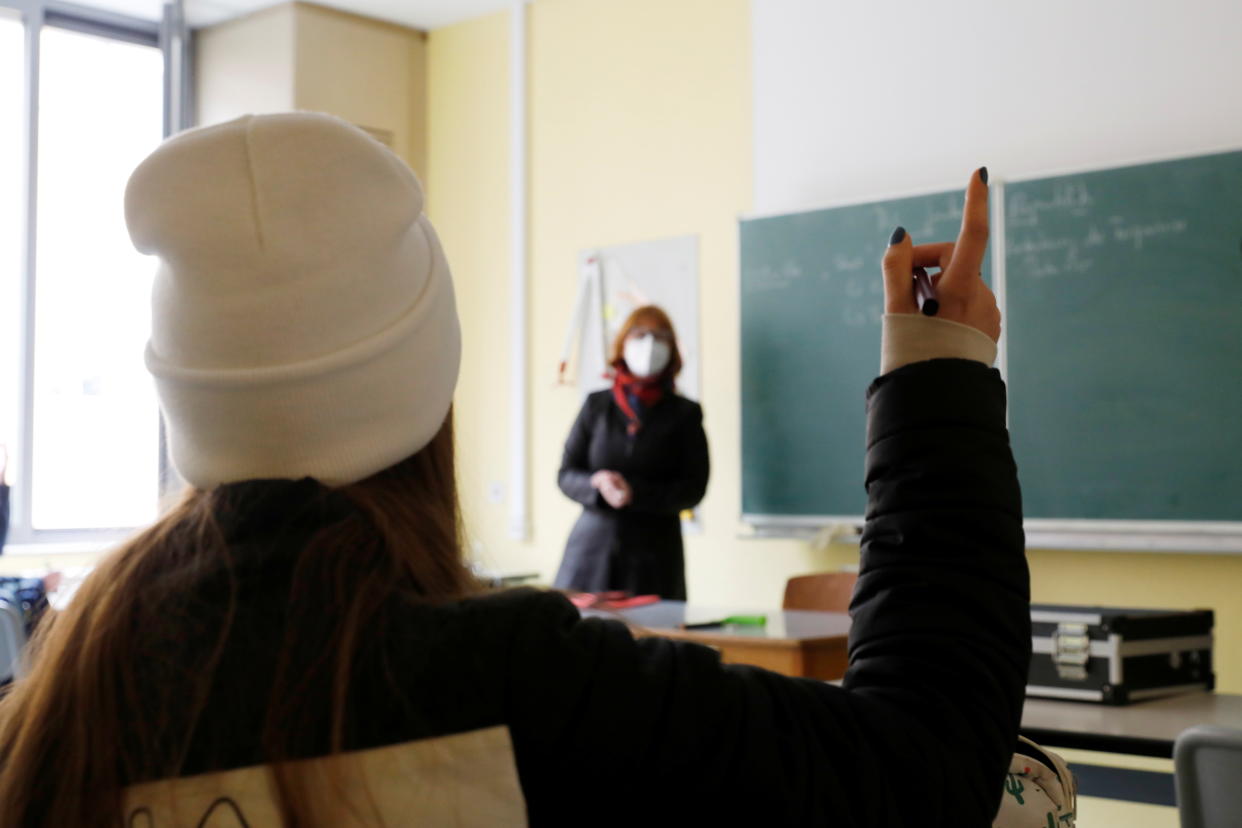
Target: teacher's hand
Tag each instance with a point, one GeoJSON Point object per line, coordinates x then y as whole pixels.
{"type": "Point", "coordinates": [964, 296]}
{"type": "Point", "coordinates": [614, 488]}
{"type": "Point", "coordinates": [620, 491]}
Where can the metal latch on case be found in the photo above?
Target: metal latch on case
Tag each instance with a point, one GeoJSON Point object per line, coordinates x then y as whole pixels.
{"type": "Point", "coordinates": [1071, 650]}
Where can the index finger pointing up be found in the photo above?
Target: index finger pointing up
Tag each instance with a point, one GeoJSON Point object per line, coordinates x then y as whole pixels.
{"type": "Point", "coordinates": [972, 241]}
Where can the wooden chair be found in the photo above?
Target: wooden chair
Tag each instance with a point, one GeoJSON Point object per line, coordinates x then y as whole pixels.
{"type": "Point", "coordinates": [824, 591]}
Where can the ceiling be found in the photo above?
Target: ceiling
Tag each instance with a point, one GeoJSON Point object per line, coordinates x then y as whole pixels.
{"type": "Point", "coordinates": [418, 14]}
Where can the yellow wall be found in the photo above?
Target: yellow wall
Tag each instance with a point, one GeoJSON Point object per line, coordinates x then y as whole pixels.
{"type": "Point", "coordinates": [643, 131]}
{"type": "Point", "coordinates": [468, 199]}
{"type": "Point", "coordinates": [639, 132]}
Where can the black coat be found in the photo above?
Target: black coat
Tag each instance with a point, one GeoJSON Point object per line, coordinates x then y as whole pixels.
{"type": "Point", "coordinates": [626, 730]}
{"type": "Point", "coordinates": [637, 548]}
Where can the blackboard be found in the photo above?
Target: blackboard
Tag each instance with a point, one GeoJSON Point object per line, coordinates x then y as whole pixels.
{"type": "Point", "coordinates": [811, 302]}
{"type": "Point", "coordinates": [1122, 344]}
{"type": "Point", "coordinates": [1124, 319]}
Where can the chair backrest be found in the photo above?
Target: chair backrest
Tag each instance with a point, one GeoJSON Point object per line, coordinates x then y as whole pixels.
{"type": "Point", "coordinates": [825, 591]}
{"type": "Point", "coordinates": [1207, 765]}
{"type": "Point", "coordinates": [12, 641]}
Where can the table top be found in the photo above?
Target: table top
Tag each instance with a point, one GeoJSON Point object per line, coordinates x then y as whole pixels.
{"type": "Point", "coordinates": [1147, 728]}
{"type": "Point", "coordinates": [782, 625]}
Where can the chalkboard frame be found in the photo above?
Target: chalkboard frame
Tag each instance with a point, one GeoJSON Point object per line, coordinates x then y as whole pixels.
{"type": "Point", "coordinates": [1189, 537]}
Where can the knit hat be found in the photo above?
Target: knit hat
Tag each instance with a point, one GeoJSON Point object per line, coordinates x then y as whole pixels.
{"type": "Point", "coordinates": [303, 319]}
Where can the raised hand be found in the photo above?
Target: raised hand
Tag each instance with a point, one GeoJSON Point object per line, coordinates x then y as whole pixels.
{"type": "Point", "coordinates": [964, 296]}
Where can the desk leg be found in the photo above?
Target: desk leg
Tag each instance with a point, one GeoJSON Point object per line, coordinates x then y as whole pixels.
{"type": "Point", "coordinates": [826, 662]}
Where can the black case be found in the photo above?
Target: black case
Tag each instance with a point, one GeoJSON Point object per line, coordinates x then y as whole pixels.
{"type": "Point", "coordinates": [1116, 656]}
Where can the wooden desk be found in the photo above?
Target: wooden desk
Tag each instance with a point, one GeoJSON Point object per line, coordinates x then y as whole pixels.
{"type": "Point", "coordinates": [1146, 728]}
{"type": "Point", "coordinates": [793, 642]}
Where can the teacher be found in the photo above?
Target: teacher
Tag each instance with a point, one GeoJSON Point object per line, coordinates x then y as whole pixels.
{"type": "Point", "coordinates": [635, 458]}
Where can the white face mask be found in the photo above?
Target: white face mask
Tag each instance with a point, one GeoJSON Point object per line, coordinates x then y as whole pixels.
{"type": "Point", "coordinates": [646, 356]}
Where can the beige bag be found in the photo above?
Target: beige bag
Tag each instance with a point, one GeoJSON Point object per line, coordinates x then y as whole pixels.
{"type": "Point", "coordinates": [1039, 790]}
{"type": "Point", "coordinates": [466, 779]}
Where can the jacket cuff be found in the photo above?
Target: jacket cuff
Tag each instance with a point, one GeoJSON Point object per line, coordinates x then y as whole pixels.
{"type": "Point", "coordinates": [912, 337]}
{"type": "Point", "coordinates": [915, 397]}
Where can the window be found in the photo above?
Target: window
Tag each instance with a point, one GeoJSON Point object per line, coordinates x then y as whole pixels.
{"type": "Point", "coordinates": [78, 412]}
{"type": "Point", "coordinates": [96, 421]}
{"type": "Point", "coordinates": [12, 208]}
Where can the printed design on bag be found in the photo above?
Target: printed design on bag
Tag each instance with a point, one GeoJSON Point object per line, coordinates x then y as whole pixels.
{"type": "Point", "coordinates": [221, 804]}
{"type": "Point", "coordinates": [1014, 787]}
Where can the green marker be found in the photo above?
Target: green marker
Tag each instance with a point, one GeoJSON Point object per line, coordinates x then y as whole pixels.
{"type": "Point", "coordinates": [747, 620]}
{"type": "Point", "coordinates": [736, 620]}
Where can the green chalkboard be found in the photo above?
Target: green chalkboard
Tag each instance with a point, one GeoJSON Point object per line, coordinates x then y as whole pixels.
{"type": "Point", "coordinates": [1122, 342]}
{"type": "Point", "coordinates": [1124, 336]}
{"type": "Point", "coordinates": [811, 302]}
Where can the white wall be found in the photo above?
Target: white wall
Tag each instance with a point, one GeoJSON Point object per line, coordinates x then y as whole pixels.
{"type": "Point", "coordinates": [856, 99]}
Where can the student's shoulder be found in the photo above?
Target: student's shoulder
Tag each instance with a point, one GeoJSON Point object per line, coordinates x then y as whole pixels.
{"type": "Point", "coordinates": [518, 601]}
{"type": "Point", "coordinates": [544, 621]}
{"type": "Point", "coordinates": [549, 643]}
{"type": "Point", "coordinates": [517, 611]}
{"type": "Point", "coordinates": [497, 627]}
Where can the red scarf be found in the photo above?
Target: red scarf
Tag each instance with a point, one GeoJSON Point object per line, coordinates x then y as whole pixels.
{"type": "Point", "coordinates": [648, 391]}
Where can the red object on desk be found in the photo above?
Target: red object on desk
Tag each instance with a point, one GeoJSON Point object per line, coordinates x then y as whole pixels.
{"type": "Point", "coordinates": [632, 601]}
{"type": "Point", "coordinates": [611, 600]}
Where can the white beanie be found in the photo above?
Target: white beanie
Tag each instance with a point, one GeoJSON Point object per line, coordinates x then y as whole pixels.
{"type": "Point", "coordinates": [303, 323]}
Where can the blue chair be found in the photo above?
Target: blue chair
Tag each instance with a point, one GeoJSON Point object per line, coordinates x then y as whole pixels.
{"type": "Point", "coordinates": [1207, 766]}
{"type": "Point", "coordinates": [12, 641]}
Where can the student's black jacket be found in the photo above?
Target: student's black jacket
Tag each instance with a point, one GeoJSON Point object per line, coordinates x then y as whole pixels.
{"type": "Point", "coordinates": [612, 731]}
{"type": "Point", "coordinates": [636, 548]}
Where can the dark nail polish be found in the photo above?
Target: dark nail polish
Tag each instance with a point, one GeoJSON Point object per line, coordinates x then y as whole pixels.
{"type": "Point", "coordinates": [898, 235]}
{"type": "Point", "coordinates": [983, 174]}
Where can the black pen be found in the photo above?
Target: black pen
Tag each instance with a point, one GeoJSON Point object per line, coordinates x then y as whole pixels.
{"type": "Point", "coordinates": [925, 292]}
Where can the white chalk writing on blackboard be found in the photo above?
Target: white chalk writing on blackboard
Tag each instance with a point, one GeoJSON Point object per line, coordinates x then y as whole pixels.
{"type": "Point", "coordinates": [1138, 234]}
{"type": "Point", "coordinates": [1045, 254]}
{"type": "Point", "coordinates": [767, 278]}
{"type": "Point", "coordinates": [847, 263]}
{"type": "Point", "coordinates": [926, 227]}
{"type": "Point", "coordinates": [1071, 196]}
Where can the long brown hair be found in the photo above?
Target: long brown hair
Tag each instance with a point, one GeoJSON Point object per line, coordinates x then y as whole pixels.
{"type": "Point", "coordinates": [79, 727]}
{"type": "Point", "coordinates": [655, 317]}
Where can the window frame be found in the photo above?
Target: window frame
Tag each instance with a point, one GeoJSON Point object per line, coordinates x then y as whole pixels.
{"type": "Point", "coordinates": [170, 35]}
